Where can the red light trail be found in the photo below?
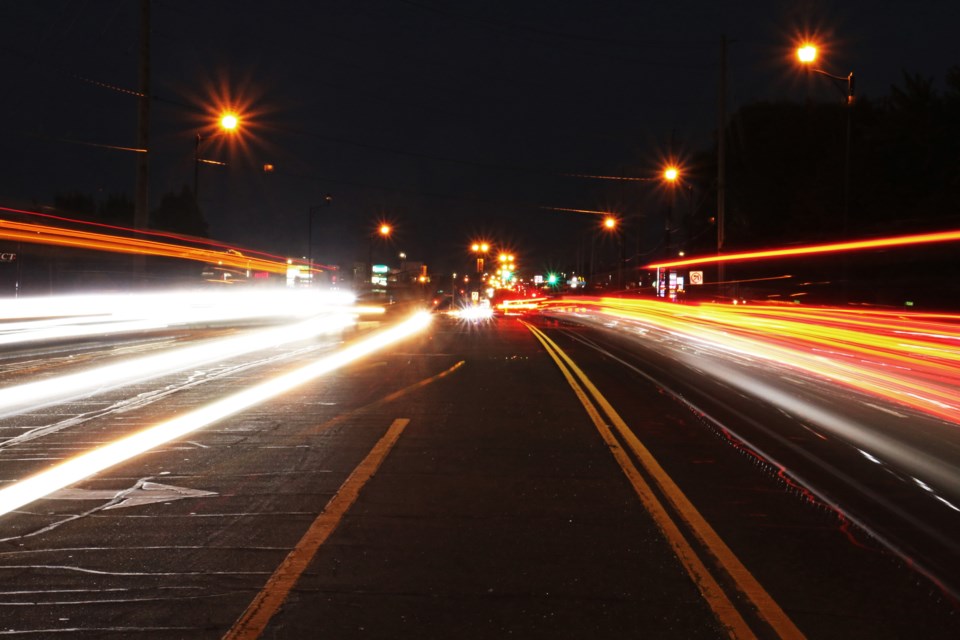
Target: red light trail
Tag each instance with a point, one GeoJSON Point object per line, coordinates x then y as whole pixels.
{"type": "Point", "coordinates": [909, 359]}
{"type": "Point", "coordinates": [836, 247]}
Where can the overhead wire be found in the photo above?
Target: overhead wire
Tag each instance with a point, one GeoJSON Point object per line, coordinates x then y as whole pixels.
{"type": "Point", "coordinates": [493, 166]}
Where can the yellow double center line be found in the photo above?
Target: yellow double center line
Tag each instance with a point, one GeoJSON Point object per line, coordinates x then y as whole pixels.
{"type": "Point", "coordinates": [765, 608]}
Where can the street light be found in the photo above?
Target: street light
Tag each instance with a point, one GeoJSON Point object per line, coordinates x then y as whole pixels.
{"type": "Point", "coordinates": [327, 201]}
{"type": "Point", "coordinates": [671, 176]}
{"type": "Point", "coordinates": [807, 54]}
{"type": "Point", "coordinates": [383, 232]}
{"type": "Point", "coordinates": [611, 224]}
{"type": "Point", "coordinates": [481, 249]}
{"type": "Point", "coordinates": [228, 123]}
{"type": "Point", "coordinates": [507, 271]}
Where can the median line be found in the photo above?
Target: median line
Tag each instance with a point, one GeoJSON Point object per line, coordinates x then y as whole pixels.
{"type": "Point", "coordinates": [763, 604]}
{"type": "Point", "coordinates": [268, 601]}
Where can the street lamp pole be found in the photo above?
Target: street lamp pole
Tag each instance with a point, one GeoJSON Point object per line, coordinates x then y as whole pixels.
{"type": "Point", "coordinates": [228, 123]}
{"type": "Point", "coordinates": [383, 231]}
{"type": "Point", "coordinates": [721, 160]}
{"type": "Point", "coordinates": [671, 175]}
{"type": "Point", "coordinates": [807, 54]}
{"type": "Point", "coordinates": [327, 200]}
{"type": "Point", "coordinates": [480, 249]}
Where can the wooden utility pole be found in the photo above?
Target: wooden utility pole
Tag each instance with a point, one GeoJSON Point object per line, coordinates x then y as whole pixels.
{"type": "Point", "coordinates": [721, 156]}
{"type": "Point", "coordinates": [141, 201]}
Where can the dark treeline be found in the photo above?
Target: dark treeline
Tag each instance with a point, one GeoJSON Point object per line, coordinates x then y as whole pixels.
{"type": "Point", "coordinates": [178, 212]}
{"type": "Point", "coordinates": [786, 168]}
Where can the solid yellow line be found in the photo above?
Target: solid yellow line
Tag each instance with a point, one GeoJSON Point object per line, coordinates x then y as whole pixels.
{"type": "Point", "coordinates": [712, 593]}
{"type": "Point", "coordinates": [254, 620]}
{"type": "Point", "coordinates": [765, 605]}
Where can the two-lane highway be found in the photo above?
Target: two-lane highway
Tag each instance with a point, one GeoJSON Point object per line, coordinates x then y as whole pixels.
{"type": "Point", "coordinates": [534, 478]}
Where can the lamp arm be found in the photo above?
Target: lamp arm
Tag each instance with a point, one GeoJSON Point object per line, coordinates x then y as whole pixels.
{"type": "Point", "coordinates": [846, 80]}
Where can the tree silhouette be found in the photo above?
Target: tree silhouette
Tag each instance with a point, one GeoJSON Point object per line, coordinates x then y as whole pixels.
{"type": "Point", "coordinates": [785, 168]}
{"type": "Point", "coordinates": [117, 209]}
{"type": "Point", "coordinates": [76, 205]}
{"type": "Point", "coordinates": [179, 213]}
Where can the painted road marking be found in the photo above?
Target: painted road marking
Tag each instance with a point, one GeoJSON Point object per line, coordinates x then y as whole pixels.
{"type": "Point", "coordinates": [142, 493]}
{"type": "Point", "coordinates": [104, 457]}
{"type": "Point", "coordinates": [764, 605]}
{"type": "Point", "coordinates": [254, 620]}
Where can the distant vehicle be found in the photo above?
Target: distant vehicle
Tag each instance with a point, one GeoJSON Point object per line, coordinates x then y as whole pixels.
{"type": "Point", "coordinates": [518, 306]}
{"type": "Point", "coordinates": [225, 273]}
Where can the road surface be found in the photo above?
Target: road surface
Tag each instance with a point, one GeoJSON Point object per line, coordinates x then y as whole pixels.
{"type": "Point", "coordinates": [535, 477]}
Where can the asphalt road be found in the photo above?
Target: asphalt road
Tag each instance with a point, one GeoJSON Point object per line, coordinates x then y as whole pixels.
{"type": "Point", "coordinates": [467, 482]}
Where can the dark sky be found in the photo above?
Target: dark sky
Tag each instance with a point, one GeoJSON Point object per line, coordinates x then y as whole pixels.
{"type": "Point", "coordinates": [450, 119]}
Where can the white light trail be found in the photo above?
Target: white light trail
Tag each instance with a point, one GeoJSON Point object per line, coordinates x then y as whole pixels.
{"type": "Point", "coordinates": [26, 396]}
{"type": "Point", "coordinates": [97, 460]}
{"type": "Point", "coordinates": [37, 319]}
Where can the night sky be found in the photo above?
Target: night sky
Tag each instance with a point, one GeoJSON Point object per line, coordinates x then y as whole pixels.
{"type": "Point", "coordinates": [451, 120]}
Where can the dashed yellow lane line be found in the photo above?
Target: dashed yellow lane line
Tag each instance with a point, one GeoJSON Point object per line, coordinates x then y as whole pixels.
{"type": "Point", "coordinates": [254, 620]}
{"type": "Point", "coordinates": [396, 395]}
{"type": "Point", "coordinates": [764, 605]}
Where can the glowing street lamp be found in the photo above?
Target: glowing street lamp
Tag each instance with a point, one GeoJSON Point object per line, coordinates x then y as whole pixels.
{"type": "Point", "coordinates": [228, 122]}
{"type": "Point", "coordinates": [383, 232]}
{"type": "Point", "coordinates": [807, 54]}
{"type": "Point", "coordinates": [610, 224]}
{"type": "Point", "coordinates": [481, 249]}
{"type": "Point", "coordinates": [671, 176]}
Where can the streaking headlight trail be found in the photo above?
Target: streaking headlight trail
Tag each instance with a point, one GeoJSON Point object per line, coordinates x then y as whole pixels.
{"type": "Point", "coordinates": [38, 319]}
{"type": "Point", "coordinates": [26, 396]}
{"type": "Point", "coordinates": [97, 460]}
{"type": "Point", "coordinates": [96, 315]}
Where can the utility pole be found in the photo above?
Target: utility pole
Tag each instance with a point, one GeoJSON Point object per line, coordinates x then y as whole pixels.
{"type": "Point", "coordinates": [721, 157]}
{"type": "Point", "coordinates": [141, 201]}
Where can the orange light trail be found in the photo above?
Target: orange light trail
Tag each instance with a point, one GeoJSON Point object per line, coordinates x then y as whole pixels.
{"type": "Point", "coordinates": [588, 211]}
{"type": "Point", "coordinates": [836, 247]}
{"type": "Point", "coordinates": [140, 232]}
{"type": "Point", "coordinates": [59, 236]}
{"type": "Point", "coordinates": [908, 359]}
